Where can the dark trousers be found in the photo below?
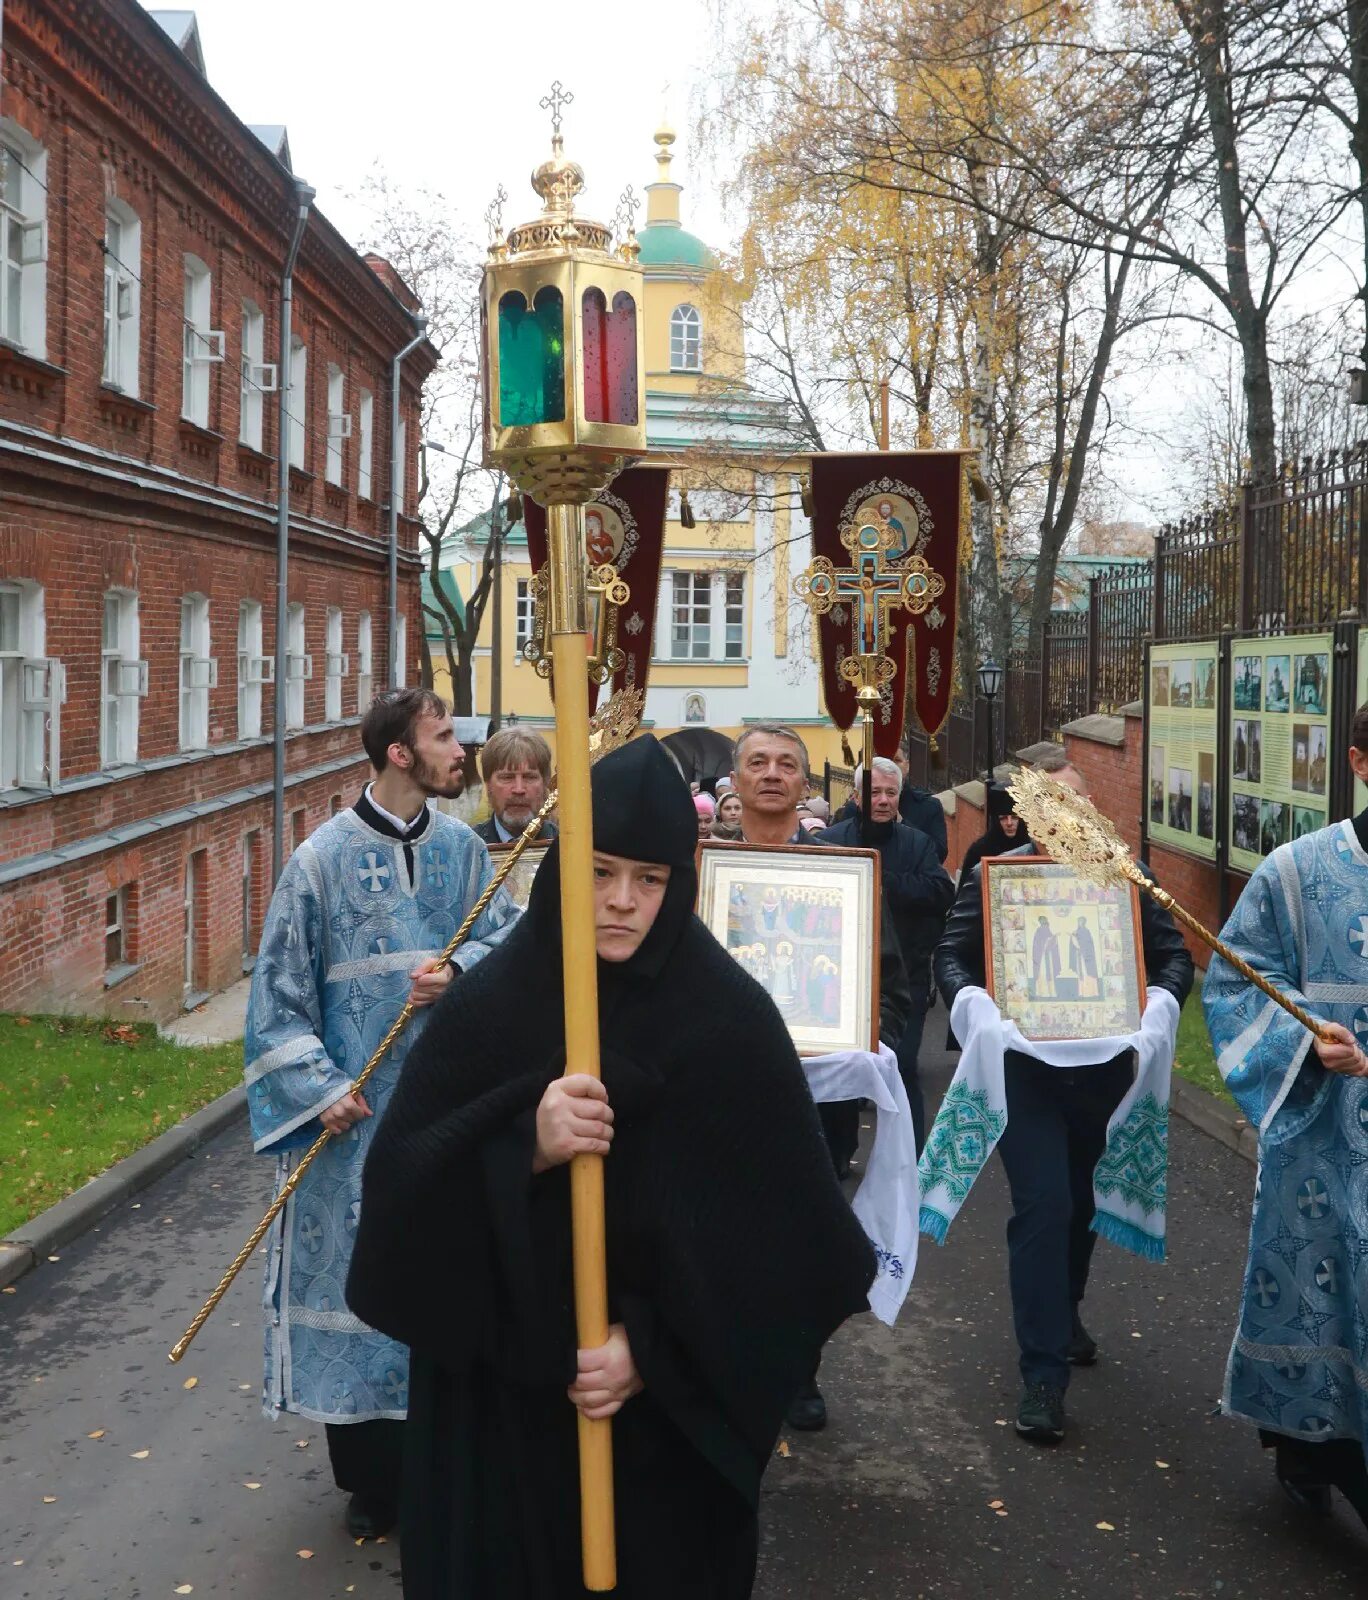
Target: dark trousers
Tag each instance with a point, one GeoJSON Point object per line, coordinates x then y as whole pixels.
{"type": "Point", "coordinates": [841, 1125]}
{"type": "Point", "coordinates": [908, 1049]}
{"type": "Point", "coordinates": [367, 1457]}
{"type": "Point", "coordinates": [1056, 1131]}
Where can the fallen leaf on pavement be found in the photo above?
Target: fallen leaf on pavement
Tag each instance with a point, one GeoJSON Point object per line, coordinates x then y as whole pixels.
{"type": "Point", "coordinates": [1105, 1527]}
{"type": "Point", "coordinates": [10, 1289]}
{"type": "Point", "coordinates": [251, 1486]}
{"type": "Point", "coordinates": [995, 1505]}
{"type": "Point", "coordinates": [1001, 1422]}
{"type": "Point", "coordinates": [185, 1588]}
{"type": "Point", "coordinates": [244, 1386]}
{"type": "Point", "coordinates": [304, 1555]}
{"type": "Point", "coordinates": [49, 1499]}
{"type": "Point", "coordinates": [300, 1444]}
{"type": "Point", "coordinates": [782, 1448]}
{"type": "Point", "coordinates": [190, 1383]}
{"type": "Point", "coordinates": [999, 1513]}
{"type": "Point", "coordinates": [98, 1434]}
{"type": "Point", "coordinates": [1161, 1464]}
{"type": "Point", "coordinates": [141, 1455]}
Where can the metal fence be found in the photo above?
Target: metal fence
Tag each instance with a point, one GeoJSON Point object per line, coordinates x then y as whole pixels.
{"type": "Point", "coordinates": [1197, 575]}
{"type": "Point", "coordinates": [1304, 543]}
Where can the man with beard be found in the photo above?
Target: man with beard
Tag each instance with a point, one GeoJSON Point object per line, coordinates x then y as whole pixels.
{"type": "Point", "coordinates": [357, 922]}
{"type": "Point", "coordinates": [516, 767]}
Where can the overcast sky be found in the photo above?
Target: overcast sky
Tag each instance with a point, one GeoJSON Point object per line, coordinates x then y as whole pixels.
{"type": "Point", "coordinates": [444, 96]}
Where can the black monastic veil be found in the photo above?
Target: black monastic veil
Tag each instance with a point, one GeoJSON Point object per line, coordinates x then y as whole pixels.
{"type": "Point", "coordinates": [732, 1254]}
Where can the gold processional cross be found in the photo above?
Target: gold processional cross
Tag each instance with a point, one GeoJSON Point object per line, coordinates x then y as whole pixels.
{"type": "Point", "coordinates": [872, 589]}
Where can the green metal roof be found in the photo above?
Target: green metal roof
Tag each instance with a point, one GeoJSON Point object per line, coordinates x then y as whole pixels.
{"type": "Point", "coordinates": [432, 625]}
{"type": "Point", "coordinates": [666, 244]}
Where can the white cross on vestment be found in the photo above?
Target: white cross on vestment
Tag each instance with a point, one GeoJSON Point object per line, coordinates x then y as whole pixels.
{"type": "Point", "coordinates": [375, 873]}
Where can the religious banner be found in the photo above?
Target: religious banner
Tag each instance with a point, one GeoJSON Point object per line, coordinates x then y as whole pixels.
{"type": "Point", "coordinates": [918, 495]}
{"type": "Point", "coordinates": [624, 527]}
{"type": "Point", "coordinates": [1181, 782]}
{"type": "Point", "coordinates": [1279, 742]}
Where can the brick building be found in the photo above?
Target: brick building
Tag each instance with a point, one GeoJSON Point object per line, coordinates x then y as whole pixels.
{"type": "Point", "coordinates": [143, 235]}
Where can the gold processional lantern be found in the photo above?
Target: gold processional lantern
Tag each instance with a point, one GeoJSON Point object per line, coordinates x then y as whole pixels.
{"type": "Point", "coordinates": [564, 412]}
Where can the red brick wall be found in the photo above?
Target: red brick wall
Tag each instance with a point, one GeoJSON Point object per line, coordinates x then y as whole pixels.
{"type": "Point", "coordinates": [961, 830]}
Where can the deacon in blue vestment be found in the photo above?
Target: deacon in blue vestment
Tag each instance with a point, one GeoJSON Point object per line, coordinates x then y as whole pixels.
{"type": "Point", "coordinates": [360, 914]}
{"type": "Point", "coordinates": [1298, 1368]}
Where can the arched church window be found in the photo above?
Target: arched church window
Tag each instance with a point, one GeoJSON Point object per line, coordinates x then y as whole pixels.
{"type": "Point", "coordinates": [686, 340]}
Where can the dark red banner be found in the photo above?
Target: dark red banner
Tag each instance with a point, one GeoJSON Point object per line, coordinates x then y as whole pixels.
{"type": "Point", "coordinates": [918, 494]}
{"type": "Point", "coordinates": [623, 525]}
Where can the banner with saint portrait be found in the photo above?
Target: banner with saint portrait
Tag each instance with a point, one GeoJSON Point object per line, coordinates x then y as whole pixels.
{"type": "Point", "coordinates": [917, 494]}
{"type": "Point", "coordinates": [624, 527]}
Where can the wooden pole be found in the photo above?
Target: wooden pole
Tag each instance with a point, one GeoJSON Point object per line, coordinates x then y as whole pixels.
{"type": "Point", "coordinates": [883, 414]}
{"type": "Point", "coordinates": [565, 571]}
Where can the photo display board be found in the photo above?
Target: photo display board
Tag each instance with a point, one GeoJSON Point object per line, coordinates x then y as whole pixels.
{"type": "Point", "coordinates": [1279, 743]}
{"type": "Point", "coordinates": [1180, 763]}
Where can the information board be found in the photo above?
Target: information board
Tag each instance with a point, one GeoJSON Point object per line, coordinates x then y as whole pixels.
{"type": "Point", "coordinates": [1279, 743]}
{"type": "Point", "coordinates": [1180, 764]}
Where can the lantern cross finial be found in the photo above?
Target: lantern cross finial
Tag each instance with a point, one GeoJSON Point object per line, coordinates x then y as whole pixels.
{"type": "Point", "coordinates": [555, 102]}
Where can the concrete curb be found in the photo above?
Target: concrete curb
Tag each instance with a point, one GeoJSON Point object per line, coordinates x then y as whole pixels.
{"type": "Point", "coordinates": [1219, 1119]}
{"type": "Point", "coordinates": [49, 1230]}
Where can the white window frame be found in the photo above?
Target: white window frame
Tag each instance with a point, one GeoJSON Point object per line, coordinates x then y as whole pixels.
{"type": "Point", "coordinates": [201, 344]}
{"type": "Point", "coordinates": [298, 665]}
{"type": "Point", "coordinates": [198, 672]}
{"type": "Point", "coordinates": [257, 377]}
{"type": "Point", "coordinates": [339, 424]}
{"type": "Point", "coordinates": [23, 240]}
{"type": "Point", "coordinates": [686, 339]}
{"type": "Point", "coordinates": [123, 679]}
{"type": "Point", "coordinates": [298, 400]}
{"type": "Point", "coordinates": [365, 678]}
{"type": "Point", "coordinates": [399, 467]}
{"type": "Point", "coordinates": [122, 297]}
{"type": "Point", "coordinates": [32, 693]}
{"type": "Point", "coordinates": [365, 411]}
{"type": "Point", "coordinates": [400, 651]}
{"type": "Point", "coordinates": [335, 667]}
{"type": "Point", "coordinates": [254, 668]}
{"type": "Point", "coordinates": [689, 600]}
{"type": "Point", "coordinates": [733, 598]}
{"type": "Point", "coordinates": [523, 610]}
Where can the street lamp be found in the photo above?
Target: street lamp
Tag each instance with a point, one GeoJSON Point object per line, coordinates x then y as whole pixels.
{"type": "Point", "coordinates": [990, 686]}
{"type": "Point", "coordinates": [564, 393]}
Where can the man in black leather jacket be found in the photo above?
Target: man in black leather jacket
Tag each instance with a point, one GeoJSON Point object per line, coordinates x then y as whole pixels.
{"type": "Point", "coordinates": [1056, 1131]}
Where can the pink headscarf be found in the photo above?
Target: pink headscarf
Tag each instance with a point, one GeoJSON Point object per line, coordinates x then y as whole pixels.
{"type": "Point", "coordinates": [704, 805]}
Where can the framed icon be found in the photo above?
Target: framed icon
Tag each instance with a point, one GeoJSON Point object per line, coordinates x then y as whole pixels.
{"type": "Point", "coordinates": [1064, 956]}
{"type": "Point", "coordinates": [804, 922]}
{"type": "Point", "coordinates": [518, 884]}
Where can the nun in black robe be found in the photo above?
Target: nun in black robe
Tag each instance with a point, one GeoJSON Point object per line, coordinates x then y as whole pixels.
{"type": "Point", "coordinates": [995, 840]}
{"type": "Point", "coordinates": [732, 1254]}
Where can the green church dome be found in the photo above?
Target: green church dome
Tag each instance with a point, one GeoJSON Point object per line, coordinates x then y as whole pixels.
{"type": "Point", "coordinates": [666, 244]}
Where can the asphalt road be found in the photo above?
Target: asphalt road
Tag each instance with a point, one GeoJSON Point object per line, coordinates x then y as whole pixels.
{"type": "Point", "coordinates": [918, 1488]}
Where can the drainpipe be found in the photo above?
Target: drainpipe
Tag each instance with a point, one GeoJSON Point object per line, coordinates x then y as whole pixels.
{"type": "Point", "coordinates": [303, 199]}
{"type": "Point", "coordinates": [397, 494]}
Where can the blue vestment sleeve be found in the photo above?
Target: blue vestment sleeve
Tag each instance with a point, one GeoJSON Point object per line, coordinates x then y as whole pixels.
{"type": "Point", "coordinates": [289, 1076]}
{"type": "Point", "coordinates": [1263, 1054]}
{"type": "Point", "coordinates": [496, 921]}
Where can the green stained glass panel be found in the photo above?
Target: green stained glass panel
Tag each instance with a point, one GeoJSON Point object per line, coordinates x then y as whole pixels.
{"type": "Point", "coordinates": [531, 359]}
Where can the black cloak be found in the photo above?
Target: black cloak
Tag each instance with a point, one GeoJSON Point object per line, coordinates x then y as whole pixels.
{"type": "Point", "coordinates": [732, 1254]}
{"type": "Point", "coordinates": [993, 841]}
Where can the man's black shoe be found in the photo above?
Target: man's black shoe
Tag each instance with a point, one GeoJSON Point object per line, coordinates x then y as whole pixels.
{"type": "Point", "coordinates": [1082, 1345]}
{"type": "Point", "coordinates": [1040, 1416]}
{"type": "Point", "coordinates": [369, 1517]}
{"type": "Point", "coordinates": [807, 1411]}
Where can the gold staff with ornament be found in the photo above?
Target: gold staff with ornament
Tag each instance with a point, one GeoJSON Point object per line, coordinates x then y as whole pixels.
{"type": "Point", "coordinates": [1075, 833]}
{"type": "Point", "coordinates": [613, 726]}
{"type": "Point", "coordinates": [871, 588]}
{"type": "Point", "coordinates": [564, 381]}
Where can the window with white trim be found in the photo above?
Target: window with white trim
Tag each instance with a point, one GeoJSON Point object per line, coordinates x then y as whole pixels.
{"type": "Point", "coordinates": [298, 666]}
{"type": "Point", "coordinates": [523, 611]}
{"type": "Point", "coordinates": [336, 666]}
{"type": "Point", "coordinates": [364, 676]}
{"type": "Point", "coordinates": [123, 250]}
{"type": "Point", "coordinates": [116, 930]}
{"type": "Point", "coordinates": [202, 345]}
{"type": "Point", "coordinates": [399, 467]}
{"type": "Point", "coordinates": [691, 616]}
{"type": "Point", "coordinates": [297, 400]}
{"type": "Point", "coordinates": [339, 424]}
{"type": "Point", "coordinates": [734, 615]}
{"type": "Point", "coordinates": [32, 690]}
{"type": "Point", "coordinates": [23, 240]}
{"type": "Point", "coordinates": [254, 668]}
{"type": "Point", "coordinates": [401, 652]}
{"type": "Point", "coordinates": [198, 672]}
{"type": "Point", "coordinates": [686, 340]}
{"type": "Point", "coordinates": [123, 679]}
{"type": "Point", "coordinates": [365, 411]}
{"type": "Point", "coordinates": [258, 376]}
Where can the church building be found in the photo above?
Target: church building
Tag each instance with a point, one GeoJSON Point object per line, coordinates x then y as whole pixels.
{"type": "Point", "coordinates": [732, 642]}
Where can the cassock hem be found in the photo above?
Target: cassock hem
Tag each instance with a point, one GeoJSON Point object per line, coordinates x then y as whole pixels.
{"type": "Point", "coordinates": [331, 1418]}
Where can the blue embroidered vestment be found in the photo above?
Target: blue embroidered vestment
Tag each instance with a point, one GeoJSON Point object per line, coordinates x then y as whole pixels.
{"type": "Point", "coordinates": [1299, 1363]}
{"type": "Point", "coordinates": [346, 926]}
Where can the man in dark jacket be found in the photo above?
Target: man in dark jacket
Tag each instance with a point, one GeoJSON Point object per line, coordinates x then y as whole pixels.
{"type": "Point", "coordinates": [917, 893]}
{"type": "Point", "coordinates": [1056, 1131]}
{"type": "Point", "coordinates": [516, 768]}
{"type": "Point", "coordinates": [919, 808]}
